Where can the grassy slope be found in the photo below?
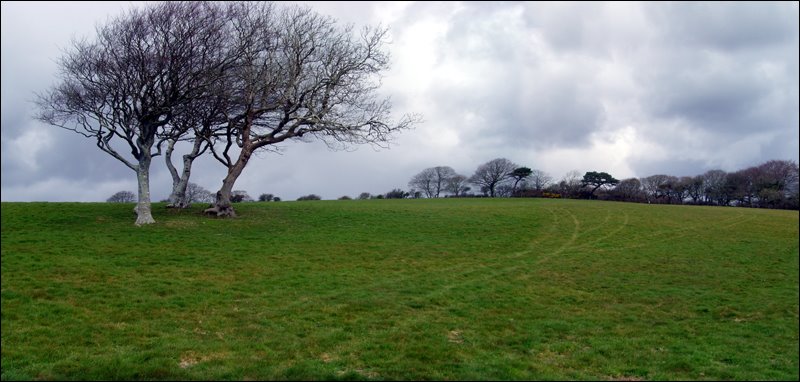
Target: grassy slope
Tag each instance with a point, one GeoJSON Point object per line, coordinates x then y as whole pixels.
{"type": "Point", "coordinates": [411, 289]}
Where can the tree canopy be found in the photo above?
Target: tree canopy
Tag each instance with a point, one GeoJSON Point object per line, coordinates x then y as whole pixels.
{"type": "Point", "coordinates": [596, 180]}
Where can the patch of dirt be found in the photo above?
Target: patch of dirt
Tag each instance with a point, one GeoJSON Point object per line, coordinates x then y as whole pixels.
{"type": "Point", "coordinates": [180, 223]}
{"type": "Point", "coordinates": [362, 372]}
{"type": "Point", "coordinates": [455, 337]}
{"type": "Point", "coordinates": [625, 378]}
{"type": "Point", "coordinates": [190, 359]}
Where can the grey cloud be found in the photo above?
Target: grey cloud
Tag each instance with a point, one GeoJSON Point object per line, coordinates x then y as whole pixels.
{"type": "Point", "coordinates": [708, 85]}
{"type": "Point", "coordinates": [523, 99]}
{"type": "Point", "coordinates": [645, 167]}
{"type": "Point", "coordinates": [726, 26]}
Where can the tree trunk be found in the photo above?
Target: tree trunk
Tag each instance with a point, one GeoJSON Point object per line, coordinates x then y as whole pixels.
{"type": "Point", "coordinates": [177, 199]}
{"type": "Point", "coordinates": [143, 215]}
{"type": "Point", "coordinates": [222, 206]}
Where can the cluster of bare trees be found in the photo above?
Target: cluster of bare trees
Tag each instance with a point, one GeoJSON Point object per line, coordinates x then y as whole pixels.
{"type": "Point", "coordinates": [229, 79]}
{"type": "Point", "coordinates": [773, 184]}
{"type": "Point", "coordinates": [498, 177]}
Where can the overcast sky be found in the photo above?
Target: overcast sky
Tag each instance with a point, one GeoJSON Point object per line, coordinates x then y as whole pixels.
{"type": "Point", "coordinates": [633, 89]}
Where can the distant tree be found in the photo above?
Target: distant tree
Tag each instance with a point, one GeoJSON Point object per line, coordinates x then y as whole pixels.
{"type": "Point", "coordinates": [265, 197]}
{"type": "Point", "coordinates": [740, 187]}
{"type": "Point", "coordinates": [122, 197]}
{"type": "Point", "coordinates": [457, 185]}
{"type": "Point", "coordinates": [276, 199]}
{"type": "Point", "coordinates": [629, 190]}
{"type": "Point", "coordinates": [432, 181]}
{"type": "Point", "coordinates": [364, 196]}
{"type": "Point", "coordinates": [692, 187]}
{"type": "Point", "coordinates": [519, 174]}
{"type": "Point", "coordinates": [539, 180]}
{"type": "Point", "coordinates": [345, 197]}
{"type": "Point", "coordinates": [493, 173]}
{"type": "Point", "coordinates": [714, 187]}
{"type": "Point", "coordinates": [425, 181]}
{"type": "Point", "coordinates": [595, 180]}
{"type": "Point", "coordinates": [240, 196]}
{"type": "Point", "coordinates": [396, 194]}
{"type": "Point", "coordinates": [775, 183]}
{"type": "Point", "coordinates": [309, 197]}
{"type": "Point", "coordinates": [195, 193]}
{"type": "Point", "coordinates": [504, 190]}
{"type": "Point", "coordinates": [570, 184]}
{"type": "Point", "coordinates": [654, 187]}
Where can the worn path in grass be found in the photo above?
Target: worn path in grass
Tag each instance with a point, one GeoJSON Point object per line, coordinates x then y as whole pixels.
{"type": "Point", "coordinates": [410, 289]}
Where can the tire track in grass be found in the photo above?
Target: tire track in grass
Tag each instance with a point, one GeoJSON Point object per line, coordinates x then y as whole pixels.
{"type": "Point", "coordinates": [679, 233]}
{"type": "Point", "coordinates": [477, 266]}
{"type": "Point", "coordinates": [345, 349]}
{"type": "Point", "coordinates": [499, 266]}
{"type": "Point", "coordinates": [430, 311]}
{"type": "Point", "coordinates": [406, 323]}
{"type": "Point", "coordinates": [483, 271]}
{"type": "Point", "coordinates": [500, 263]}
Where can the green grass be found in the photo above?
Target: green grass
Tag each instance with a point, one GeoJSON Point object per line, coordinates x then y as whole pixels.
{"type": "Point", "coordinates": [409, 289]}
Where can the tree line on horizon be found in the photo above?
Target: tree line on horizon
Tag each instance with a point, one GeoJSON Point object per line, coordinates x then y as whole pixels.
{"type": "Point", "coordinates": [772, 184]}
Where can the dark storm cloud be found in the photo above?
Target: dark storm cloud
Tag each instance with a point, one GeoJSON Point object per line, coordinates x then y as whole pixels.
{"type": "Point", "coordinates": [726, 72]}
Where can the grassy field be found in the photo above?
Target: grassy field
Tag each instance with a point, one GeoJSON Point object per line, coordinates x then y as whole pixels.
{"type": "Point", "coordinates": [401, 289]}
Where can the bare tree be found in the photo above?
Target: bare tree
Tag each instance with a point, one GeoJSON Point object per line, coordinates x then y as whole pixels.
{"type": "Point", "coordinates": [122, 89]}
{"type": "Point", "coordinates": [539, 179]}
{"type": "Point", "coordinates": [655, 187]}
{"type": "Point", "coordinates": [299, 75]}
{"type": "Point", "coordinates": [424, 181]}
{"type": "Point", "coordinates": [457, 185]}
{"type": "Point", "coordinates": [432, 181]}
{"type": "Point", "coordinates": [741, 187]}
{"type": "Point", "coordinates": [195, 193]}
{"type": "Point", "coordinates": [122, 197]}
{"type": "Point", "coordinates": [629, 190]}
{"type": "Point", "coordinates": [570, 184]}
{"type": "Point", "coordinates": [776, 181]}
{"type": "Point", "coordinates": [196, 122]}
{"type": "Point", "coordinates": [692, 187]}
{"type": "Point", "coordinates": [492, 173]}
{"type": "Point", "coordinates": [714, 187]}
